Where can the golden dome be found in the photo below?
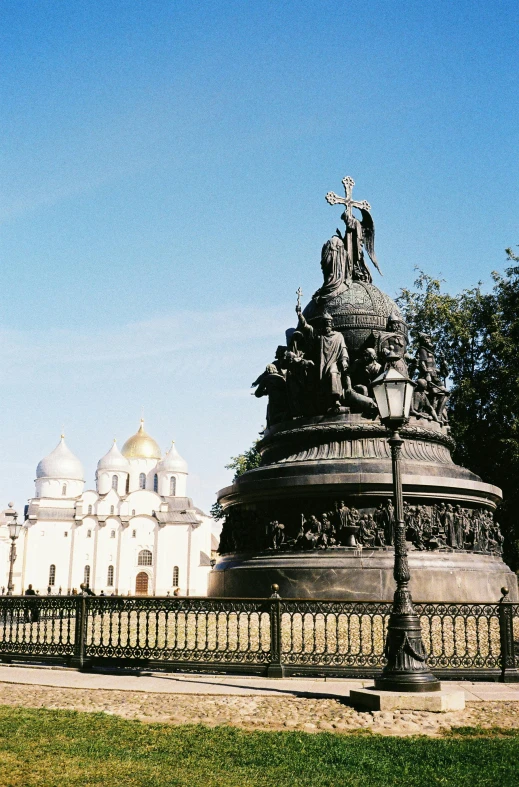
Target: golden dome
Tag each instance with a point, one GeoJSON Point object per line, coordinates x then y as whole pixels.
{"type": "Point", "coordinates": [141, 446]}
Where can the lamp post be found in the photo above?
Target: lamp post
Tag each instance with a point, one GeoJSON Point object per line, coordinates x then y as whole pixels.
{"type": "Point", "coordinates": [406, 668]}
{"type": "Point", "coordinates": [14, 531]}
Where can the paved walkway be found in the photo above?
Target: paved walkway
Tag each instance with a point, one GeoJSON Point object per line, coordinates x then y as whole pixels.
{"type": "Point", "coordinates": [182, 683]}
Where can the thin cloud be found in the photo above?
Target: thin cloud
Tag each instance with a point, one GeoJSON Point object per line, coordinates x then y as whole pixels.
{"type": "Point", "coordinates": [168, 339]}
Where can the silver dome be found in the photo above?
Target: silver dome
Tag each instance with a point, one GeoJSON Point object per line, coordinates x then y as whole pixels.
{"type": "Point", "coordinates": [172, 462]}
{"type": "Point", "coordinates": [61, 463]}
{"type": "Point", "coordinates": [114, 460]}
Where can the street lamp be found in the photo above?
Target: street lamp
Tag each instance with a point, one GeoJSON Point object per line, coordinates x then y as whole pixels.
{"type": "Point", "coordinates": [14, 531]}
{"type": "Point", "coordinates": [406, 668]}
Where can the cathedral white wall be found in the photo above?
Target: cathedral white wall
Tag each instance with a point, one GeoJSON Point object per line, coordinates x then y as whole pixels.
{"type": "Point", "coordinates": [101, 545]}
{"type": "Point", "coordinates": [48, 545]}
{"type": "Point", "coordinates": [144, 501]}
{"type": "Point", "coordinates": [105, 482]}
{"type": "Point", "coordinates": [174, 552]}
{"type": "Point", "coordinates": [165, 484]}
{"type": "Point", "coordinates": [201, 544]}
{"type": "Point", "coordinates": [138, 466]}
{"type": "Point", "coordinates": [59, 488]}
{"type": "Point", "coordinates": [84, 547]}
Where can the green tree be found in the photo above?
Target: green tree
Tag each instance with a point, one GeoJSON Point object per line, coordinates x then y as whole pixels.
{"type": "Point", "coordinates": [478, 334]}
{"type": "Point", "coordinates": [246, 461]}
{"type": "Point", "coordinates": [240, 464]}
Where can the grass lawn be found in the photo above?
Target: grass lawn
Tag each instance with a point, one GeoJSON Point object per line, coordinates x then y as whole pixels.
{"type": "Point", "coordinates": [45, 748]}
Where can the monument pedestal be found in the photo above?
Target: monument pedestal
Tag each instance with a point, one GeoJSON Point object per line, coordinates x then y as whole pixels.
{"type": "Point", "coordinates": [362, 575]}
{"type": "Point", "coordinates": [313, 468]}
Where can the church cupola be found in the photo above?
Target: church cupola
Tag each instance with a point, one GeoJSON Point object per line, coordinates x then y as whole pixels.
{"type": "Point", "coordinates": [142, 453]}
{"type": "Point", "coordinates": [112, 472]}
{"type": "Point", "coordinates": [141, 445]}
{"type": "Point", "coordinates": [60, 474]}
{"type": "Point", "coordinates": [172, 474]}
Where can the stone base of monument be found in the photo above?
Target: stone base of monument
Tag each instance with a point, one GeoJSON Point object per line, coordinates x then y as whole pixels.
{"type": "Point", "coordinates": [363, 575]}
{"type": "Point", "coordinates": [447, 699]}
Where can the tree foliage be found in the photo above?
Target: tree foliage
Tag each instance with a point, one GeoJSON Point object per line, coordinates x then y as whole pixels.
{"type": "Point", "coordinates": [240, 464]}
{"type": "Point", "coordinates": [478, 334]}
{"type": "Point", "coordinates": [243, 462]}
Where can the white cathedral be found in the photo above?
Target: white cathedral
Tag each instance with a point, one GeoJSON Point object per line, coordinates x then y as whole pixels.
{"type": "Point", "coordinates": [137, 533]}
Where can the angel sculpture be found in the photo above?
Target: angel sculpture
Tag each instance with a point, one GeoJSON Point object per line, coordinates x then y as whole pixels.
{"type": "Point", "coordinates": [359, 234]}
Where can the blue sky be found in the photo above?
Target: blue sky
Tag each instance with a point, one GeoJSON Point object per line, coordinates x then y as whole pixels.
{"type": "Point", "coordinates": [163, 171]}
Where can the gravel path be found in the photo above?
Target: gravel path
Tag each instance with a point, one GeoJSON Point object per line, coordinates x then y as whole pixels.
{"type": "Point", "coordinates": [258, 712]}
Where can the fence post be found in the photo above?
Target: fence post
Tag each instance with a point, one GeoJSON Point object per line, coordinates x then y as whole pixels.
{"type": "Point", "coordinates": [79, 659]}
{"type": "Point", "coordinates": [509, 671]}
{"type": "Point", "coordinates": [275, 668]}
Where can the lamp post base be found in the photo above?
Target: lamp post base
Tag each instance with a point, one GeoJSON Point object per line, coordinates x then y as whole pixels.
{"type": "Point", "coordinates": [406, 682]}
{"type": "Point", "coordinates": [449, 698]}
{"type": "Point", "coordinates": [406, 668]}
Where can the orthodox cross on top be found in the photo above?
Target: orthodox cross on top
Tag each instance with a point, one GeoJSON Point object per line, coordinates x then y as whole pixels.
{"type": "Point", "coordinates": [347, 200]}
{"type": "Point", "coordinates": [359, 235]}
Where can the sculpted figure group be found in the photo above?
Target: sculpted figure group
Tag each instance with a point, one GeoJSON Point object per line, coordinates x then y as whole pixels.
{"type": "Point", "coordinates": [441, 526]}
{"type": "Point", "coordinates": [314, 374]}
{"type": "Point", "coordinates": [447, 525]}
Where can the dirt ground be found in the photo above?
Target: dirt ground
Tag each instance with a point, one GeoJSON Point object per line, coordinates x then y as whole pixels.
{"type": "Point", "coordinates": [258, 712]}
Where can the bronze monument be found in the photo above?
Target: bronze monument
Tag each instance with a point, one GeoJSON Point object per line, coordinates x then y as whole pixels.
{"type": "Point", "coordinates": [316, 517]}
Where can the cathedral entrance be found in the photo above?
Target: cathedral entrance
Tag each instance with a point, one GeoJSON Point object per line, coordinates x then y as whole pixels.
{"type": "Point", "coordinates": [141, 584]}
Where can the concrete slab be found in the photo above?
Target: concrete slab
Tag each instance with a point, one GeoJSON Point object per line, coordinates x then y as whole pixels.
{"type": "Point", "coordinates": [432, 701]}
{"type": "Point", "coordinates": [492, 691]}
{"type": "Point", "coordinates": [196, 683]}
{"type": "Point", "coordinates": [177, 683]}
{"type": "Point", "coordinates": [495, 696]}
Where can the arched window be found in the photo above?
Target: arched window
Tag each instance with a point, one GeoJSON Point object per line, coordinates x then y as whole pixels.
{"type": "Point", "coordinates": [112, 533]}
{"type": "Point", "coordinates": [110, 577]}
{"type": "Point", "coordinates": [64, 489]}
{"type": "Point", "coordinates": [115, 482]}
{"type": "Point", "coordinates": [65, 533]}
{"type": "Point", "coordinates": [142, 481]}
{"type": "Point", "coordinates": [172, 486]}
{"type": "Point", "coordinates": [86, 575]}
{"type": "Point", "coordinates": [175, 576]}
{"type": "Point", "coordinates": [155, 483]}
{"type": "Point", "coordinates": [89, 509]}
{"type": "Point", "coordinates": [145, 558]}
{"type": "Point", "coordinates": [134, 534]}
{"type": "Point", "coordinates": [112, 509]}
{"type": "Point", "coordinates": [89, 534]}
{"type": "Point", "coordinates": [127, 484]}
{"type": "Point", "coordinates": [52, 575]}
{"type": "Point", "coordinates": [133, 511]}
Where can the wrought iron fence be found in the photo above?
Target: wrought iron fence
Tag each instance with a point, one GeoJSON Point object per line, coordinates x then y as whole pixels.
{"type": "Point", "coordinates": [271, 636]}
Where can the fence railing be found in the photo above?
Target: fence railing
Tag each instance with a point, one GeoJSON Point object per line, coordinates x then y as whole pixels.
{"type": "Point", "coordinates": [270, 636]}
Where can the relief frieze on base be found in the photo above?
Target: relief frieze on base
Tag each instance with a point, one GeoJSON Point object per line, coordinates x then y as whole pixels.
{"type": "Point", "coordinates": [367, 448]}
{"type": "Point", "coordinates": [442, 526]}
{"type": "Point", "coordinates": [347, 440]}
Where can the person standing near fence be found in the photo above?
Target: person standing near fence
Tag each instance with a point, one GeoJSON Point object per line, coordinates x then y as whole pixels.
{"type": "Point", "coordinates": [32, 613]}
